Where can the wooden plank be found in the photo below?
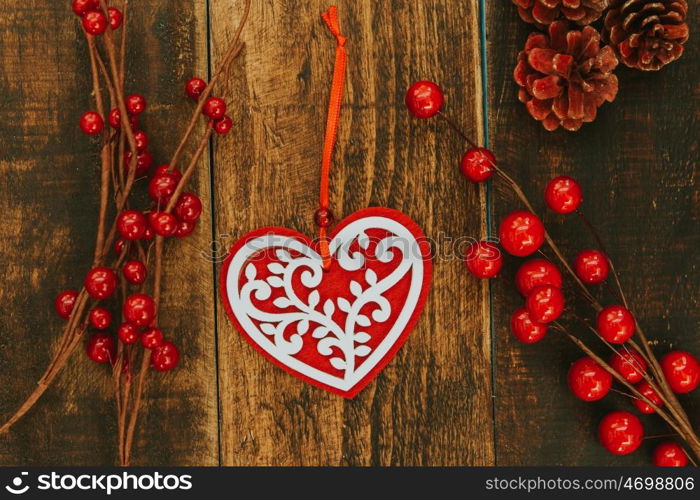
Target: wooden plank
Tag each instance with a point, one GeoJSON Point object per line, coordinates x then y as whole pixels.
{"type": "Point", "coordinates": [432, 404]}
{"type": "Point", "coordinates": [637, 165]}
{"type": "Point", "coordinates": [49, 195]}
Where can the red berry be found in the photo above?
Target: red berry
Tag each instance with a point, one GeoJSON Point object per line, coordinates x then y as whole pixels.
{"type": "Point", "coordinates": [139, 309]}
{"type": "Point", "coordinates": [682, 371]}
{"type": "Point", "coordinates": [134, 272]}
{"type": "Point", "coordinates": [115, 120]}
{"type": "Point", "coordinates": [185, 228]}
{"type": "Point", "coordinates": [144, 160]}
{"type": "Point", "coordinates": [119, 246]}
{"type": "Point", "coordinates": [616, 324]}
{"type": "Point", "coordinates": [64, 303]}
{"type": "Point", "coordinates": [645, 389]}
{"type": "Point", "coordinates": [151, 338]}
{"type": "Point", "coordinates": [101, 348]}
{"type": "Point", "coordinates": [115, 17]}
{"type": "Point", "coordinates": [100, 318]}
{"type": "Point", "coordinates": [165, 169]}
{"type": "Point", "coordinates": [563, 195]}
{"type": "Point", "coordinates": [630, 364]}
{"type": "Point", "coordinates": [483, 259]}
{"type": "Point", "coordinates": [135, 104]}
{"type": "Point", "coordinates": [163, 223]}
{"type": "Point", "coordinates": [161, 187]}
{"type": "Point", "coordinates": [80, 7]}
{"type": "Point", "coordinates": [545, 303]}
{"type": "Point", "coordinates": [620, 432]}
{"type": "Point", "coordinates": [588, 380]}
{"type": "Point", "coordinates": [591, 266]}
{"type": "Point", "coordinates": [537, 272]}
{"type": "Point", "coordinates": [223, 125]}
{"type": "Point", "coordinates": [188, 207]}
{"type": "Point", "coordinates": [424, 99]}
{"type": "Point", "coordinates": [91, 123]}
{"type": "Point", "coordinates": [131, 225]}
{"type": "Point", "coordinates": [194, 87]}
{"type": "Point", "coordinates": [521, 233]}
{"type": "Point", "coordinates": [100, 282]}
{"type": "Point", "coordinates": [141, 140]}
{"type": "Point", "coordinates": [149, 234]}
{"type": "Point", "coordinates": [95, 22]}
{"type": "Point", "coordinates": [214, 108]}
{"type": "Point", "coordinates": [165, 356]}
{"type": "Point", "coordinates": [670, 454]}
{"type": "Point", "coordinates": [128, 333]}
{"type": "Point", "coordinates": [477, 164]}
{"type": "Point", "coordinates": [524, 329]}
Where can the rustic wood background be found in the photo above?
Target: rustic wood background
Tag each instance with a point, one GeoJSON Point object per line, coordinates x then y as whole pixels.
{"type": "Point", "coordinates": [461, 391]}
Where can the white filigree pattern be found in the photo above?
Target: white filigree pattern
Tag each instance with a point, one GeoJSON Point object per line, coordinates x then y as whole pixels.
{"type": "Point", "coordinates": [304, 314]}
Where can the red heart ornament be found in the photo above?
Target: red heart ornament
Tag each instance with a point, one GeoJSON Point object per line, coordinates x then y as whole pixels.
{"type": "Point", "coordinates": [335, 329]}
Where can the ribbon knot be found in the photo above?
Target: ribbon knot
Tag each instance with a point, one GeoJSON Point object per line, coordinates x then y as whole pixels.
{"type": "Point", "coordinates": [331, 19]}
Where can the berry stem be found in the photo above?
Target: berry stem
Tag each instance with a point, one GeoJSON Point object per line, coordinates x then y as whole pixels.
{"type": "Point", "coordinates": [187, 174]}
{"type": "Point", "coordinates": [683, 430]}
{"type": "Point", "coordinates": [124, 115]}
{"type": "Point", "coordinates": [601, 247]}
{"type": "Point", "coordinates": [665, 392]}
{"type": "Point", "coordinates": [515, 187]}
{"type": "Point", "coordinates": [231, 53]}
{"type": "Point", "coordinates": [158, 271]}
{"type": "Point", "coordinates": [143, 370]}
{"type": "Point", "coordinates": [122, 44]}
{"type": "Point", "coordinates": [105, 153]}
{"type": "Point", "coordinates": [459, 131]}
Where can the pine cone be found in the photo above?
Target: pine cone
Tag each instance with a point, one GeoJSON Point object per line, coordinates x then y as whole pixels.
{"type": "Point", "coordinates": [545, 12]}
{"type": "Point", "coordinates": [565, 76]}
{"type": "Point", "coordinates": [647, 34]}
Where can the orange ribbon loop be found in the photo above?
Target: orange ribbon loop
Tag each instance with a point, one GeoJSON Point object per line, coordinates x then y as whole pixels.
{"type": "Point", "coordinates": [334, 103]}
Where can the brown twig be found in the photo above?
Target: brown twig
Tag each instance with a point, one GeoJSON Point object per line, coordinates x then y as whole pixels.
{"type": "Point", "coordinates": [157, 277]}
{"type": "Point", "coordinates": [105, 156]}
{"type": "Point", "coordinates": [665, 390]}
{"type": "Point", "coordinates": [72, 333]}
{"type": "Point", "coordinates": [601, 246]}
{"type": "Point", "coordinates": [231, 53]}
{"type": "Point", "coordinates": [187, 174]}
{"type": "Point", "coordinates": [230, 56]}
{"type": "Point", "coordinates": [651, 381]}
{"type": "Point", "coordinates": [682, 428]}
{"type": "Point", "coordinates": [675, 414]}
{"type": "Point", "coordinates": [113, 74]}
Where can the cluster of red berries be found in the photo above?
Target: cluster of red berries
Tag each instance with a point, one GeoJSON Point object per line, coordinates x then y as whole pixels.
{"type": "Point", "coordinates": [135, 225]}
{"type": "Point", "coordinates": [214, 107]}
{"type": "Point", "coordinates": [621, 432]}
{"type": "Point", "coordinates": [521, 233]}
{"type": "Point", "coordinates": [93, 18]}
{"type": "Point", "coordinates": [139, 310]}
{"type": "Point", "coordinates": [92, 123]}
{"type": "Point", "coordinates": [132, 225]}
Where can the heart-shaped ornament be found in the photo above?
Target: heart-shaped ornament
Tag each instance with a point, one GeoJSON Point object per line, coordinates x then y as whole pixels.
{"type": "Point", "coordinates": [336, 329]}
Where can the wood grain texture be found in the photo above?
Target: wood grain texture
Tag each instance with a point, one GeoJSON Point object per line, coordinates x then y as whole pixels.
{"type": "Point", "coordinates": [432, 403]}
{"type": "Point", "coordinates": [637, 164]}
{"type": "Point", "coordinates": [49, 195]}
